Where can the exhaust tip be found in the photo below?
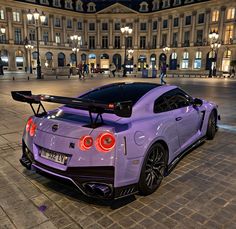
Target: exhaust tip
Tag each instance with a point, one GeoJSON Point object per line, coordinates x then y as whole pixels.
{"type": "Point", "coordinates": [102, 190]}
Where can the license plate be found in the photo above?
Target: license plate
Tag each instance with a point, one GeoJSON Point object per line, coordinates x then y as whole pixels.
{"type": "Point", "coordinates": [53, 156]}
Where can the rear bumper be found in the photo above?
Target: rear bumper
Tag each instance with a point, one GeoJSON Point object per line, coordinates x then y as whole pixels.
{"type": "Point", "coordinates": [96, 182]}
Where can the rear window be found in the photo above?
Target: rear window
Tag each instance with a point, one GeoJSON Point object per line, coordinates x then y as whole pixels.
{"type": "Point", "coordinates": [119, 92]}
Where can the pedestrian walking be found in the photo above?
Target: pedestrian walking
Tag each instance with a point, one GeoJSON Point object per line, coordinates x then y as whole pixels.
{"type": "Point", "coordinates": [1, 67]}
{"type": "Point", "coordinates": [135, 70]}
{"type": "Point", "coordinates": [80, 70]}
{"type": "Point", "coordinates": [112, 69]}
{"type": "Point", "coordinates": [163, 73]}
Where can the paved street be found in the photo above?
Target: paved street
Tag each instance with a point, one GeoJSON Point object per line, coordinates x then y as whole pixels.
{"type": "Point", "coordinates": [199, 193]}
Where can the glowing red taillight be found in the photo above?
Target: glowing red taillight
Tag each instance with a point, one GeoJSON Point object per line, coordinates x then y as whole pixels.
{"type": "Point", "coordinates": [85, 142]}
{"type": "Point", "coordinates": [105, 142]}
{"type": "Point", "coordinates": [28, 124]}
{"type": "Point", "coordinates": [32, 129]}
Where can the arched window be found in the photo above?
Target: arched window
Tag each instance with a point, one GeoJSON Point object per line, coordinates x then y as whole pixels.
{"type": "Point", "coordinates": [185, 60]}
{"type": "Point", "coordinates": [61, 59]}
{"type": "Point", "coordinates": [198, 60]}
{"type": "Point", "coordinates": [48, 57]}
{"type": "Point", "coordinates": [226, 61]}
{"type": "Point", "coordinates": [19, 58]}
{"type": "Point", "coordinates": [173, 55]}
{"type": "Point", "coordinates": [4, 57]}
{"type": "Point", "coordinates": [230, 13]}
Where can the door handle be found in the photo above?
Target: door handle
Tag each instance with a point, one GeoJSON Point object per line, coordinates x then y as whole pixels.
{"type": "Point", "coordinates": [178, 118]}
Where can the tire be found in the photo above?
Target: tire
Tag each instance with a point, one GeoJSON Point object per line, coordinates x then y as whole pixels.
{"type": "Point", "coordinates": [151, 174]}
{"type": "Point", "coordinates": [211, 126]}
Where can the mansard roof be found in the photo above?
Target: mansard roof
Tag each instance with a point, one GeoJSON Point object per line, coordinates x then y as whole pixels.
{"type": "Point", "coordinates": [103, 4]}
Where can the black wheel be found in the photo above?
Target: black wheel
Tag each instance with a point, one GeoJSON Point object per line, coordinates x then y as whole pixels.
{"type": "Point", "coordinates": [211, 126]}
{"type": "Point", "coordinates": [153, 169]}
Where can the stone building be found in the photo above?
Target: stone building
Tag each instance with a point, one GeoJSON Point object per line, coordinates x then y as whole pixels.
{"type": "Point", "coordinates": [181, 25]}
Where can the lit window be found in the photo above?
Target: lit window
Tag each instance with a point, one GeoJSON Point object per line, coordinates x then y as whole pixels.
{"type": "Point", "coordinates": [198, 60]}
{"type": "Point", "coordinates": [174, 56]}
{"type": "Point", "coordinates": [2, 16]}
{"type": "Point", "coordinates": [185, 60]}
{"type": "Point", "coordinates": [16, 16]}
{"type": "Point", "coordinates": [231, 13]}
{"type": "Point", "coordinates": [229, 34]}
{"type": "Point", "coordinates": [215, 15]}
{"type": "Point", "coordinates": [58, 38]}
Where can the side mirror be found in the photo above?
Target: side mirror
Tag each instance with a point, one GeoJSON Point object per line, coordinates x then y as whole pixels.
{"type": "Point", "coordinates": [197, 102]}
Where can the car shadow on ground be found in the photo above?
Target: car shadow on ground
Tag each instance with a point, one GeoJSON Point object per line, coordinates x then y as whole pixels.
{"type": "Point", "coordinates": [68, 189]}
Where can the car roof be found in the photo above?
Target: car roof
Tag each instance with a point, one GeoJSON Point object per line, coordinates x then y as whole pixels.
{"type": "Point", "coordinates": [118, 92]}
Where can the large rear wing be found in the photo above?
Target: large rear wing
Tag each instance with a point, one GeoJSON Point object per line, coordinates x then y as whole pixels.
{"type": "Point", "coordinates": [121, 109]}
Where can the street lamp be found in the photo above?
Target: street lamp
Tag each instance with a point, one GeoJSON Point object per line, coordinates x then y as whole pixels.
{"type": "Point", "coordinates": [38, 18]}
{"type": "Point", "coordinates": [29, 47]}
{"type": "Point", "coordinates": [126, 30]}
{"type": "Point", "coordinates": [130, 55]}
{"type": "Point", "coordinates": [215, 45]}
{"type": "Point", "coordinates": [76, 43]}
{"type": "Point", "coordinates": [166, 49]}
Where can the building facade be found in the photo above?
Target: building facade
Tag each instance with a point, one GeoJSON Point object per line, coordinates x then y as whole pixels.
{"type": "Point", "coordinates": [181, 25]}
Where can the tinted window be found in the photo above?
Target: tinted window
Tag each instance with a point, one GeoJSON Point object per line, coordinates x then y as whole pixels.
{"type": "Point", "coordinates": [177, 99]}
{"type": "Point", "coordinates": [160, 105]}
{"type": "Point", "coordinates": [120, 92]}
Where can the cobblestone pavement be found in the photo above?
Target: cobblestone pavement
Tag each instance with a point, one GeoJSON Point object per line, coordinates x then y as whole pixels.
{"type": "Point", "coordinates": [199, 193]}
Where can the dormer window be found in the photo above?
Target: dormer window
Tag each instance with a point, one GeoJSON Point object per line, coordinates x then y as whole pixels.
{"type": "Point", "coordinates": [79, 6]}
{"type": "Point", "coordinates": [68, 4]}
{"type": "Point", "coordinates": [143, 7]}
{"type": "Point", "coordinates": [91, 7]}
{"type": "Point", "coordinates": [188, 1]}
{"type": "Point", "coordinates": [166, 4]}
{"type": "Point", "coordinates": [56, 3]}
{"type": "Point", "coordinates": [44, 2]}
{"type": "Point", "coordinates": [155, 5]}
{"type": "Point", "coordinates": [177, 2]}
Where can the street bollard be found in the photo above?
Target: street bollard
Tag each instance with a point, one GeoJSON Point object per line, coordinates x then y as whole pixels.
{"type": "Point", "coordinates": [13, 78]}
{"type": "Point", "coordinates": [56, 76]}
{"type": "Point", "coordinates": [28, 77]}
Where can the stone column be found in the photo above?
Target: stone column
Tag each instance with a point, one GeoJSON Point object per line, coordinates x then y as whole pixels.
{"type": "Point", "coordinates": [51, 24]}
{"type": "Point", "coordinates": [64, 38]}
{"type": "Point", "coordinates": [98, 28]}
{"type": "Point", "coordinates": [111, 29]}
{"type": "Point", "coordinates": [221, 23]}
{"type": "Point", "coordinates": [135, 32]}
{"type": "Point", "coordinates": [193, 32]}
{"type": "Point", "coordinates": [24, 20]}
{"type": "Point", "coordinates": [75, 26]}
{"type": "Point", "coordinates": [169, 31]}
{"type": "Point", "coordinates": [180, 30]}
{"type": "Point", "coordinates": [159, 32]}
{"type": "Point", "coordinates": [86, 32]}
{"type": "Point", "coordinates": [149, 36]}
{"type": "Point", "coordinates": [207, 23]}
{"type": "Point", "coordinates": [9, 25]}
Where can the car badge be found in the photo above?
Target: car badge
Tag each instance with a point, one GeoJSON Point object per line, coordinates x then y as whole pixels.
{"type": "Point", "coordinates": [54, 127]}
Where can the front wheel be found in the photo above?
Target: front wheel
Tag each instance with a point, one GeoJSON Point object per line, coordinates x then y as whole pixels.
{"type": "Point", "coordinates": [153, 169]}
{"type": "Point", "coordinates": [211, 126]}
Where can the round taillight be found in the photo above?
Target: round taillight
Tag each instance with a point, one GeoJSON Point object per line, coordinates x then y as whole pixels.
{"type": "Point", "coordinates": [105, 142]}
{"type": "Point", "coordinates": [32, 129]}
{"type": "Point", "coordinates": [85, 142]}
{"type": "Point", "coordinates": [28, 124]}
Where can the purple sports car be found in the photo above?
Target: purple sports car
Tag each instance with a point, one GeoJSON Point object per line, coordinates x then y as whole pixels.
{"type": "Point", "coordinates": [115, 140]}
